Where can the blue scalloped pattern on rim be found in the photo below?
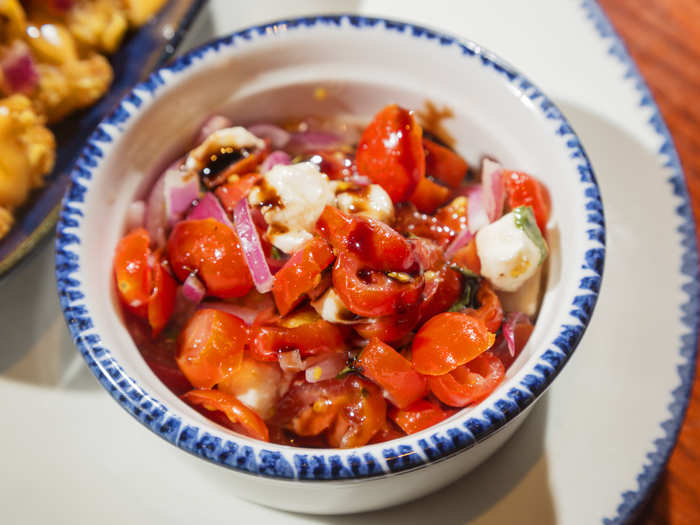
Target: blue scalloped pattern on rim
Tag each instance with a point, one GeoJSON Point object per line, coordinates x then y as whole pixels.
{"type": "Point", "coordinates": [397, 456]}
{"type": "Point", "coordinates": [632, 500]}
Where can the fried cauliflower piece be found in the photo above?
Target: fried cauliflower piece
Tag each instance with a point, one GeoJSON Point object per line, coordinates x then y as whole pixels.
{"type": "Point", "coordinates": [98, 24]}
{"type": "Point", "coordinates": [12, 20]}
{"type": "Point", "coordinates": [27, 153]}
{"type": "Point", "coordinates": [139, 11]}
{"type": "Point", "coordinates": [6, 221]}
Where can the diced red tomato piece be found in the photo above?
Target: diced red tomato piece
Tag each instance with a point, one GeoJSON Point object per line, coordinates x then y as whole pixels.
{"type": "Point", "coordinates": [235, 411]}
{"type": "Point", "coordinates": [336, 165]}
{"type": "Point", "coordinates": [161, 304]}
{"type": "Point", "coordinates": [444, 164]}
{"type": "Point", "coordinates": [213, 251]}
{"type": "Point", "coordinates": [418, 416]}
{"type": "Point", "coordinates": [210, 347]}
{"type": "Point", "coordinates": [391, 371]}
{"type": "Point", "coordinates": [391, 328]}
{"type": "Point", "coordinates": [490, 310]}
{"type": "Point", "coordinates": [231, 192]}
{"type": "Point", "coordinates": [467, 257]}
{"type": "Point", "coordinates": [132, 271]}
{"type": "Point", "coordinates": [442, 289]}
{"type": "Point", "coordinates": [301, 274]}
{"type": "Point", "coordinates": [454, 215]}
{"type": "Point", "coordinates": [469, 383]}
{"type": "Point", "coordinates": [428, 254]}
{"type": "Point", "coordinates": [390, 152]}
{"type": "Point", "coordinates": [378, 245]}
{"type": "Point", "coordinates": [429, 196]}
{"type": "Point", "coordinates": [317, 337]}
{"type": "Point", "coordinates": [350, 410]}
{"type": "Point", "coordinates": [447, 341]}
{"type": "Point", "coordinates": [372, 293]}
{"type": "Point", "coordinates": [525, 190]}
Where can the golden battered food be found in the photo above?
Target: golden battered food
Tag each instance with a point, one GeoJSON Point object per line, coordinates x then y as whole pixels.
{"type": "Point", "coordinates": [50, 66]}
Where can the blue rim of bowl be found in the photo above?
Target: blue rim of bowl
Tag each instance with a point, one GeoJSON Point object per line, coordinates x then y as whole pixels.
{"type": "Point", "coordinates": [660, 450]}
{"type": "Point", "coordinates": [395, 456]}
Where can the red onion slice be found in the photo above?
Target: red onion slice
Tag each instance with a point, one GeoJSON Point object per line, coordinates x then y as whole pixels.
{"type": "Point", "coordinates": [181, 190]}
{"type": "Point", "coordinates": [18, 68]}
{"type": "Point", "coordinates": [252, 249]}
{"type": "Point", "coordinates": [275, 158]}
{"type": "Point", "coordinates": [511, 320]}
{"type": "Point", "coordinates": [461, 240]}
{"type": "Point", "coordinates": [476, 215]}
{"type": "Point", "coordinates": [279, 138]}
{"type": "Point", "coordinates": [209, 207]}
{"type": "Point", "coordinates": [326, 367]}
{"type": "Point", "coordinates": [291, 361]}
{"type": "Point", "coordinates": [166, 201]}
{"type": "Point", "coordinates": [493, 190]}
{"type": "Point", "coordinates": [307, 141]}
{"type": "Point", "coordinates": [193, 290]}
{"type": "Point", "coordinates": [212, 124]}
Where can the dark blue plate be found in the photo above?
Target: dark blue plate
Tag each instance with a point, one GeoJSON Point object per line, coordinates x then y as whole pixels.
{"type": "Point", "coordinates": [144, 50]}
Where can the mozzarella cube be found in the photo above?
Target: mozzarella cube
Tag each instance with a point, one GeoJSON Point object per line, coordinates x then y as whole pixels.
{"type": "Point", "coordinates": [508, 255]}
{"type": "Point", "coordinates": [292, 198]}
{"type": "Point", "coordinates": [371, 201]}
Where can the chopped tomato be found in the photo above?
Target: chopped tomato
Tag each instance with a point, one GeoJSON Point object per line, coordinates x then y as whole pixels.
{"type": "Point", "coordinates": [391, 328]}
{"type": "Point", "coordinates": [490, 310]}
{"type": "Point", "coordinates": [132, 271]}
{"type": "Point", "coordinates": [378, 245]}
{"type": "Point", "coordinates": [213, 251]}
{"type": "Point", "coordinates": [418, 416]}
{"type": "Point", "coordinates": [231, 192]}
{"type": "Point", "coordinates": [391, 371]}
{"type": "Point", "coordinates": [388, 432]}
{"type": "Point", "coordinates": [525, 190]}
{"type": "Point", "coordinates": [235, 411]}
{"type": "Point", "coordinates": [467, 257]}
{"type": "Point", "coordinates": [313, 338]}
{"type": "Point", "coordinates": [301, 274]}
{"type": "Point", "coordinates": [429, 196]}
{"type": "Point", "coordinates": [350, 410]}
{"type": "Point", "coordinates": [410, 221]}
{"type": "Point", "coordinates": [448, 340]}
{"type": "Point", "coordinates": [444, 164]}
{"type": "Point", "coordinates": [371, 293]}
{"type": "Point", "coordinates": [210, 347]}
{"type": "Point", "coordinates": [454, 215]}
{"type": "Point", "coordinates": [469, 383]}
{"type": "Point", "coordinates": [390, 152]}
{"type": "Point", "coordinates": [161, 304]}
{"type": "Point", "coordinates": [442, 289]}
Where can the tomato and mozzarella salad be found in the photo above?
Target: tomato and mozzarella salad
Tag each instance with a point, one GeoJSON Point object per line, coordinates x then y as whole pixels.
{"type": "Point", "coordinates": [318, 288]}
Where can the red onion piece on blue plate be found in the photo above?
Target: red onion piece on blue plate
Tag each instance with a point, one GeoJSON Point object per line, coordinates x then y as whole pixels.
{"type": "Point", "coordinates": [209, 207]}
{"type": "Point", "coordinates": [252, 248]}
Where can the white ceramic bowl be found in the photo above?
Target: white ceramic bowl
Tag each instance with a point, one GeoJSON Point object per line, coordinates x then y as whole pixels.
{"type": "Point", "coordinates": [268, 73]}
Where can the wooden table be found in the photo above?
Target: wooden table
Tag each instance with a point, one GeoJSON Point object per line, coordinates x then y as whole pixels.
{"type": "Point", "coordinates": [663, 36]}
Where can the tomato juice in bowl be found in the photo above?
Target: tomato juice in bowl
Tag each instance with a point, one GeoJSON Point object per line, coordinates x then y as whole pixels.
{"type": "Point", "coordinates": [330, 67]}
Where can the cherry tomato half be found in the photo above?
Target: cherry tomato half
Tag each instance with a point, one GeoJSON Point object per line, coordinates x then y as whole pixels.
{"type": "Point", "coordinates": [350, 410]}
{"type": "Point", "coordinates": [442, 289]}
{"type": "Point", "coordinates": [161, 305]}
{"type": "Point", "coordinates": [235, 411]}
{"type": "Point", "coordinates": [469, 383]}
{"type": "Point", "coordinates": [390, 152]}
{"type": "Point", "coordinates": [210, 347]}
{"type": "Point", "coordinates": [390, 328]}
{"type": "Point", "coordinates": [525, 190]}
{"type": "Point", "coordinates": [444, 164]}
{"type": "Point", "coordinates": [371, 293]}
{"type": "Point", "coordinates": [391, 371]}
{"type": "Point", "coordinates": [429, 196]}
{"type": "Point", "coordinates": [132, 271]}
{"type": "Point", "coordinates": [490, 310]}
{"type": "Point", "coordinates": [418, 416]}
{"type": "Point", "coordinates": [301, 274]}
{"type": "Point", "coordinates": [317, 337]}
{"type": "Point", "coordinates": [213, 251]}
{"type": "Point", "coordinates": [449, 340]}
{"type": "Point", "coordinates": [377, 245]}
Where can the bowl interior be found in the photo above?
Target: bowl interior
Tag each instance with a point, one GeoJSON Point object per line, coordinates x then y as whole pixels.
{"type": "Point", "coordinates": [272, 77]}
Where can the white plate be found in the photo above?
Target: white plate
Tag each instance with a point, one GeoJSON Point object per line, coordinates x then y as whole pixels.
{"type": "Point", "coordinates": [72, 455]}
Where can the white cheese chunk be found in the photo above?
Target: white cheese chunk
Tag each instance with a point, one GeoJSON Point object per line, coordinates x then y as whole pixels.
{"type": "Point", "coordinates": [291, 198]}
{"type": "Point", "coordinates": [508, 256]}
{"type": "Point", "coordinates": [371, 201]}
{"type": "Point", "coordinates": [332, 309]}
{"type": "Point", "coordinates": [525, 299]}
